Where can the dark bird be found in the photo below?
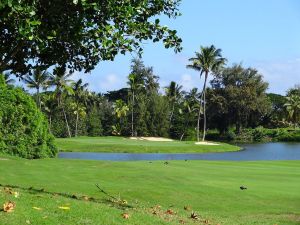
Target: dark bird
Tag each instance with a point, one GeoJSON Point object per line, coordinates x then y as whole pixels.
{"type": "Point", "coordinates": [243, 188]}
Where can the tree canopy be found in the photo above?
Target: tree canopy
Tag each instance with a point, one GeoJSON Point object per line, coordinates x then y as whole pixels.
{"type": "Point", "coordinates": [77, 34]}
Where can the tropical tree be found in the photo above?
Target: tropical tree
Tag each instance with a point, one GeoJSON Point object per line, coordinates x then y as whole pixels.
{"type": "Point", "coordinates": [238, 97]}
{"type": "Point", "coordinates": [79, 34]}
{"type": "Point", "coordinates": [173, 93]}
{"type": "Point", "coordinates": [293, 107]}
{"type": "Point", "coordinates": [80, 96]}
{"type": "Point", "coordinates": [120, 109]}
{"type": "Point", "coordinates": [49, 105]}
{"type": "Point", "coordinates": [60, 80]}
{"type": "Point", "coordinates": [39, 79]}
{"type": "Point", "coordinates": [134, 86]}
{"type": "Point", "coordinates": [207, 61]}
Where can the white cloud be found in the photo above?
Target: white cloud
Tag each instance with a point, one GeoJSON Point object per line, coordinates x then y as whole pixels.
{"type": "Point", "coordinates": [188, 81]}
{"type": "Point", "coordinates": [101, 83]}
{"type": "Point", "coordinates": [281, 75]}
{"type": "Point", "coordinates": [111, 82]}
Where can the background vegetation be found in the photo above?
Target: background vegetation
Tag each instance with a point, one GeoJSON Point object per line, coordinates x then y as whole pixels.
{"type": "Point", "coordinates": [238, 107]}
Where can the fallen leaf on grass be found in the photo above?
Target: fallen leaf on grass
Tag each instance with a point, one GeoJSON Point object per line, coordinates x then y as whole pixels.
{"type": "Point", "coordinates": [36, 208]}
{"type": "Point", "coordinates": [9, 206]}
{"type": "Point", "coordinates": [194, 216]}
{"type": "Point", "coordinates": [170, 212]}
{"type": "Point", "coordinates": [28, 222]}
{"type": "Point", "coordinates": [64, 207]}
{"type": "Point", "coordinates": [11, 192]}
{"type": "Point", "coordinates": [125, 215]}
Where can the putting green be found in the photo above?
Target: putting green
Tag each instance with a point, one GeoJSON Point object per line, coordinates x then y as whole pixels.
{"type": "Point", "coordinates": [121, 144]}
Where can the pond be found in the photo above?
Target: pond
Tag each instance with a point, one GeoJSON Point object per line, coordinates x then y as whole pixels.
{"type": "Point", "coordinates": [250, 152]}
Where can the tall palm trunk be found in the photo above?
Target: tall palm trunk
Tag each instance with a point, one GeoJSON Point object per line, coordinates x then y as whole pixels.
{"type": "Point", "coordinates": [132, 126]}
{"type": "Point", "coordinates": [64, 113]}
{"type": "Point", "coordinates": [202, 101]}
{"type": "Point", "coordinates": [76, 124]}
{"type": "Point", "coordinates": [66, 120]}
{"type": "Point", "coordinates": [204, 106]}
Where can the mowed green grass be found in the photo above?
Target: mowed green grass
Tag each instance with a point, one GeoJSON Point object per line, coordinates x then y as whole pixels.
{"type": "Point", "coordinates": [209, 188]}
{"type": "Point", "coordinates": [121, 144]}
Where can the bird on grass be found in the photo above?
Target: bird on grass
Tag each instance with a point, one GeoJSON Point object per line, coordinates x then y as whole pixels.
{"type": "Point", "coordinates": [243, 188]}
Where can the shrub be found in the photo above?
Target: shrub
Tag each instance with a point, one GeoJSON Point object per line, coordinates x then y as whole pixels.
{"type": "Point", "coordinates": [292, 137]}
{"type": "Point", "coordinates": [23, 128]}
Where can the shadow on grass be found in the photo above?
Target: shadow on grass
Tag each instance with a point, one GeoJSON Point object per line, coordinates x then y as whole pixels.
{"type": "Point", "coordinates": [112, 201]}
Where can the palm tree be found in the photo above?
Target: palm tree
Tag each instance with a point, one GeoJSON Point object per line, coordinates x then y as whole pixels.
{"type": "Point", "coordinates": [293, 107]}
{"type": "Point", "coordinates": [174, 93]}
{"type": "Point", "coordinates": [134, 86]}
{"type": "Point", "coordinates": [120, 109]}
{"type": "Point", "coordinates": [49, 105]}
{"type": "Point", "coordinates": [80, 95]}
{"type": "Point", "coordinates": [207, 61]}
{"type": "Point", "coordinates": [60, 80]}
{"type": "Point", "coordinates": [38, 80]}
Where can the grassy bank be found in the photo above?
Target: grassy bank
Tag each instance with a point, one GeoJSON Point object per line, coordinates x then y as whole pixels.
{"type": "Point", "coordinates": [258, 134]}
{"type": "Point", "coordinates": [211, 189]}
{"type": "Point", "coordinates": [120, 144]}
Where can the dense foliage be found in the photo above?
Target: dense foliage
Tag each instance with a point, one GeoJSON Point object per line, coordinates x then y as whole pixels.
{"type": "Point", "coordinates": [79, 33]}
{"type": "Point", "coordinates": [23, 128]}
{"type": "Point", "coordinates": [236, 104]}
{"type": "Point", "coordinates": [238, 107]}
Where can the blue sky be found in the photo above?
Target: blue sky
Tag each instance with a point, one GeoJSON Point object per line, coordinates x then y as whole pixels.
{"type": "Point", "coordinates": [264, 34]}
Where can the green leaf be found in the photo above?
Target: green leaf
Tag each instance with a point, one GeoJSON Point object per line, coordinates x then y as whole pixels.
{"type": "Point", "coordinates": [35, 22]}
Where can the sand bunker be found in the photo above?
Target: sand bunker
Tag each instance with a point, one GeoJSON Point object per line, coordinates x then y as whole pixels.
{"type": "Point", "coordinates": [205, 143]}
{"type": "Point", "coordinates": [150, 139]}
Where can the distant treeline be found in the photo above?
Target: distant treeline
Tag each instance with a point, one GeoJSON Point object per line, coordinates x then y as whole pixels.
{"type": "Point", "coordinates": [235, 101]}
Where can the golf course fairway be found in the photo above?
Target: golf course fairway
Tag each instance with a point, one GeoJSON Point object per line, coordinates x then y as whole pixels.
{"type": "Point", "coordinates": [57, 191]}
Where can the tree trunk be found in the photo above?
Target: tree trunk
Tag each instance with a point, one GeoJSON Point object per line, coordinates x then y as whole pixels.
{"type": "Point", "coordinates": [76, 124]}
{"type": "Point", "coordinates": [204, 110]}
{"type": "Point", "coordinates": [198, 120]}
{"type": "Point", "coordinates": [132, 127]}
{"type": "Point", "coordinates": [66, 120]}
{"type": "Point", "coordinates": [202, 97]}
{"type": "Point", "coordinates": [182, 136]}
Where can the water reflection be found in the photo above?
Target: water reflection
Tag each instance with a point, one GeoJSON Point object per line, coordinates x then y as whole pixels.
{"type": "Point", "coordinates": [251, 152]}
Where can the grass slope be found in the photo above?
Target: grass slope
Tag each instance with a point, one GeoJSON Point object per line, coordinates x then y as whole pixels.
{"type": "Point", "coordinates": [120, 144]}
{"type": "Point", "coordinates": [211, 189]}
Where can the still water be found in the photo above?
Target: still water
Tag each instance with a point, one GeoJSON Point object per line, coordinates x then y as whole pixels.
{"type": "Point", "coordinates": [250, 152]}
